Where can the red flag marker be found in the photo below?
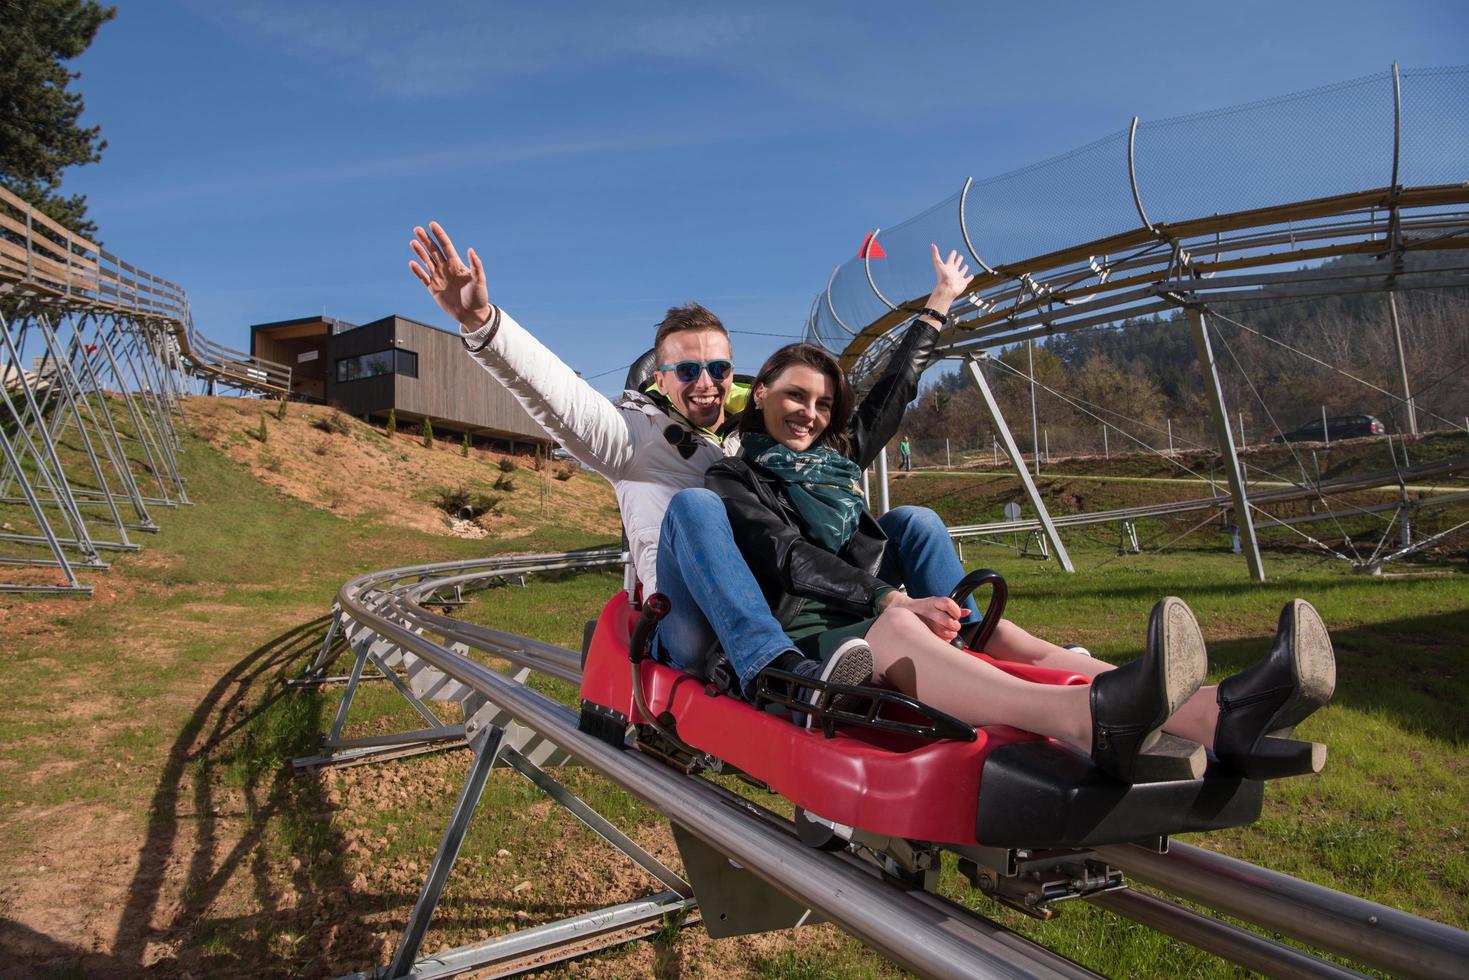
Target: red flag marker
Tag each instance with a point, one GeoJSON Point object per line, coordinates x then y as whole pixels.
{"type": "Point", "coordinates": [871, 249]}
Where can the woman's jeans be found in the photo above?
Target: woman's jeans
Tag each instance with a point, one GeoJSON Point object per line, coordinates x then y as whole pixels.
{"type": "Point", "coordinates": [716, 602]}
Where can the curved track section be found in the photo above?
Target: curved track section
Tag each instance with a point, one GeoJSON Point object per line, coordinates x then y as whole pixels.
{"type": "Point", "coordinates": [392, 613]}
{"type": "Point", "coordinates": [1224, 206]}
{"type": "Point", "coordinates": [66, 274]}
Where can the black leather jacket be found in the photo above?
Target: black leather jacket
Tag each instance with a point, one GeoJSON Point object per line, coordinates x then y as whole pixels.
{"type": "Point", "coordinates": [790, 568]}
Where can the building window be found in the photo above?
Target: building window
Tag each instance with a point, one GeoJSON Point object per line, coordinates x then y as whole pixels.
{"type": "Point", "coordinates": [377, 363]}
{"type": "Point", "coordinates": [408, 363]}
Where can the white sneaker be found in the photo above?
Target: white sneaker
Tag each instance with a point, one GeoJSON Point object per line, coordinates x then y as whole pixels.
{"type": "Point", "coordinates": [849, 664]}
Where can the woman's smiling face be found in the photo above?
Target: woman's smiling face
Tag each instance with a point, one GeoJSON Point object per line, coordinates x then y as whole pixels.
{"type": "Point", "coordinates": [796, 406]}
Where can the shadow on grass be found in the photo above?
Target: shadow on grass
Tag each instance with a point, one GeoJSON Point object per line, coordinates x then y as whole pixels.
{"type": "Point", "coordinates": [231, 760]}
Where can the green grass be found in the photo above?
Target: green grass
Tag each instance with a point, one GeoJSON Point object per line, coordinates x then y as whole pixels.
{"type": "Point", "coordinates": [168, 708]}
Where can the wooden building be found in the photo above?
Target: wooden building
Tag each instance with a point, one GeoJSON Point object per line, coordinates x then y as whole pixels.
{"type": "Point", "coordinates": [418, 371]}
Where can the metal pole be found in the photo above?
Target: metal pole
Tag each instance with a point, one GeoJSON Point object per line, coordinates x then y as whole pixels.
{"type": "Point", "coordinates": [1106, 449]}
{"type": "Point", "coordinates": [1170, 437]}
{"type": "Point", "coordinates": [867, 485]}
{"type": "Point", "coordinates": [882, 481]}
{"type": "Point", "coordinates": [995, 449]}
{"type": "Point", "coordinates": [1243, 518]}
{"type": "Point", "coordinates": [949, 462]}
{"type": "Point", "coordinates": [1047, 433]}
{"type": "Point", "coordinates": [1397, 336]}
{"type": "Point", "coordinates": [1003, 432]}
{"type": "Point", "coordinates": [1242, 443]}
{"type": "Point", "coordinates": [1035, 442]}
{"type": "Point", "coordinates": [1325, 432]}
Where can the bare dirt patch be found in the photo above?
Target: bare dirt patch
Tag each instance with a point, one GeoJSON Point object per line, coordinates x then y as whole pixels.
{"type": "Point", "coordinates": [359, 470]}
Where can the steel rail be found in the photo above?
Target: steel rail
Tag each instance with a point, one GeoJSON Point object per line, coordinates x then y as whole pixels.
{"type": "Point", "coordinates": [1380, 936]}
{"type": "Point", "coordinates": [843, 888]}
{"type": "Point", "coordinates": [929, 938]}
{"type": "Point", "coordinates": [1224, 502]}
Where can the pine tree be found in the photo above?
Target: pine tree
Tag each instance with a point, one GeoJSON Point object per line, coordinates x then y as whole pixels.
{"type": "Point", "coordinates": [264, 433]}
{"type": "Point", "coordinates": [428, 433]}
{"type": "Point", "coordinates": [280, 412]}
{"type": "Point", "coordinates": [464, 449]}
{"type": "Point", "coordinates": [39, 135]}
{"type": "Point", "coordinates": [392, 421]}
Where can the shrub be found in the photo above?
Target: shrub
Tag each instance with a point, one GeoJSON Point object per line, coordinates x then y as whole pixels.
{"type": "Point", "coordinates": [263, 433]}
{"type": "Point", "coordinates": [464, 449]}
{"type": "Point", "coordinates": [392, 421]}
{"type": "Point", "coordinates": [565, 471]}
{"type": "Point", "coordinates": [504, 482]}
{"type": "Point", "coordinates": [280, 411]}
{"type": "Point", "coordinates": [333, 423]}
{"type": "Point", "coordinates": [454, 501]}
{"type": "Point", "coordinates": [428, 433]}
{"type": "Point", "coordinates": [507, 465]}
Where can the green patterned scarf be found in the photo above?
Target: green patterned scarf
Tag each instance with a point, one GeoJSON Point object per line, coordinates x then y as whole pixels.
{"type": "Point", "coordinates": [820, 482]}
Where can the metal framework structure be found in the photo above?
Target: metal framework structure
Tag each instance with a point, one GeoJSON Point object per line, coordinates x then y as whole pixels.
{"type": "Point", "coordinates": [747, 870]}
{"type": "Point", "coordinates": [89, 426]}
{"type": "Point", "coordinates": [1239, 206]}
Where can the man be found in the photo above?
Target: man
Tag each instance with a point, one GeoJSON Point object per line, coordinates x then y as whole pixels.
{"type": "Point", "coordinates": [654, 446]}
{"type": "Point", "coordinates": [905, 452]}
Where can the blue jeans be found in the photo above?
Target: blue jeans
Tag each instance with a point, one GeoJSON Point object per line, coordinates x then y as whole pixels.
{"type": "Point", "coordinates": [716, 602]}
{"type": "Point", "coordinates": [920, 555]}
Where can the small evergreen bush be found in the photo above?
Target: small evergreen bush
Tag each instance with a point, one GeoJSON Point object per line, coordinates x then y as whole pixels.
{"type": "Point", "coordinates": [392, 421]}
{"type": "Point", "coordinates": [464, 448]}
{"type": "Point", "coordinates": [428, 433]}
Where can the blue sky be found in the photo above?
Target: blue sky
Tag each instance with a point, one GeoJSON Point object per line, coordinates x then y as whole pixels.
{"type": "Point", "coordinates": [611, 159]}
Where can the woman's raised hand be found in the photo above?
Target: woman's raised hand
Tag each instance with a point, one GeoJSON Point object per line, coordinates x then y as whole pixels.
{"type": "Point", "coordinates": [459, 289]}
{"type": "Point", "coordinates": [953, 278]}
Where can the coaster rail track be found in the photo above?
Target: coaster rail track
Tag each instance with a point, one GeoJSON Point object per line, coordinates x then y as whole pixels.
{"type": "Point", "coordinates": [1242, 206]}
{"type": "Point", "coordinates": [388, 618]}
{"type": "Point", "coordinates": [64, 272]}
{"type": "Point", "coordinates": [1205, 248]}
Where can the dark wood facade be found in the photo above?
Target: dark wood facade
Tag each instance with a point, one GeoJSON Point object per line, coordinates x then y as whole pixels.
{"type": "Point", "coordinates": [418, 371]}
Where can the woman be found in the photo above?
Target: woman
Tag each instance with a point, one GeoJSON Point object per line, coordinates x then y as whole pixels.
{"type": "Point", "coordinates": [814, 549]}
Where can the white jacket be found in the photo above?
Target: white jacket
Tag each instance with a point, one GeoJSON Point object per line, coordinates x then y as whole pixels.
{"type": "Point", "coordinates": [646, 453]}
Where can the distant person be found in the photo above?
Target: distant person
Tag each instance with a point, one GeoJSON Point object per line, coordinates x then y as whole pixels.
{"type": "Point", "coordinates": [906, 453]}
{"type": "Point", "coordinates": [654, 446]}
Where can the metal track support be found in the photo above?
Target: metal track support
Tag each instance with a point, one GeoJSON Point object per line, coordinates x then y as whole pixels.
{"type": "Point", "coordinates": [1243, 519]}
{"type": "Point", "coordinates": [485, 745]}
{"type": "Point", "coordinates": [1048, 527]}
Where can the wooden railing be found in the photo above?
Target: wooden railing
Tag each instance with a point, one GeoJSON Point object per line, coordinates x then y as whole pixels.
{"type": "Point", "coordinates": [40, 256]}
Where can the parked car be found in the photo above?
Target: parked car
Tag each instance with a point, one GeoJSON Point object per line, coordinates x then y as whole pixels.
{"type": "Point", "coordinates": [1340, 427]}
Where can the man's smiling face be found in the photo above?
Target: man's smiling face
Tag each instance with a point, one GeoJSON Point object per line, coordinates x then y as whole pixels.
{"type": "Point", "coordinates": [702, 399]}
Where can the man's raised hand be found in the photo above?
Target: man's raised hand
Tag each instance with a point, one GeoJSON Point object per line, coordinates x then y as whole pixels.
{"type": "Point", "coordinates": [459, 289]}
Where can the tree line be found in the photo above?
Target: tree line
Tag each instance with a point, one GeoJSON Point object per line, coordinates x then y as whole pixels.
{"type": "Point", "coordinates": [1142, 375]}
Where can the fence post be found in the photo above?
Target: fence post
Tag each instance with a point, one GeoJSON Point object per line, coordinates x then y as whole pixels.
{"type": "Point", "coordinates": [1325, 432]}
{"type": "Point", "coordinates": [30, 247]}
{"type": "Point", "coordinates": [949, 462]}
{"type": "Point", "coordinates": [1106, 449]}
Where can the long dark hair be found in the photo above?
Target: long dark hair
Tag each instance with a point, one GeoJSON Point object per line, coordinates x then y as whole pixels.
{"type": "Point", "coordinates": [835, 434]}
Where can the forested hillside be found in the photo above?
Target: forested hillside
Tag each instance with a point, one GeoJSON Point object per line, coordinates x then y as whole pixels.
{"type": "Point", "coordinates": [1142, 374]}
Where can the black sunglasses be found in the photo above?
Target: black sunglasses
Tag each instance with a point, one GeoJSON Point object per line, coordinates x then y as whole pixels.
{"type": "Point", "coordinates": [688, 371]}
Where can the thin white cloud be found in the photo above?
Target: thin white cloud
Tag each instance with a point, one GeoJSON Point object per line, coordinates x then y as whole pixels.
{"type": "Point", "coordinates": [435, 49]}
{"type": "Point", "coordinates": [479, 158]}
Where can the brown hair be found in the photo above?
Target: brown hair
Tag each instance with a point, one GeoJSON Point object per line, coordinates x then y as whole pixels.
{"type": "Point", "coordinates": [690, 316]}
{"type": "Point", "coordinates": [835, 434]}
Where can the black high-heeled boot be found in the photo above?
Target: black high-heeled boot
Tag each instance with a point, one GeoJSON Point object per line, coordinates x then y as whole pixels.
{"type": "Point", "coordinates": [1260, 706]}
{"type": "Point", "coordinates": [1130, 704]}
